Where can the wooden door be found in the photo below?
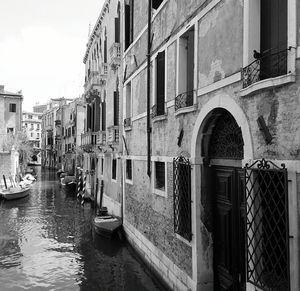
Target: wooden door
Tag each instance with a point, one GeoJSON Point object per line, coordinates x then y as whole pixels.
{"type": "Point", "coordinates": [229, 228]}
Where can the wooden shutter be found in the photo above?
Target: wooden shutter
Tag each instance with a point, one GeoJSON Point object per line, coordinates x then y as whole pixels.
{"type": "Point", "coordinates": [116, 108]}
{"type": "Point", "coordinates": [160, 83]}
{"type": "Point", "coordinates": [117, 30]}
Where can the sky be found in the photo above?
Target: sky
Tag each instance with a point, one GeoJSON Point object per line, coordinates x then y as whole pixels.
{"type": "Point", "coordinates": [42, 45]}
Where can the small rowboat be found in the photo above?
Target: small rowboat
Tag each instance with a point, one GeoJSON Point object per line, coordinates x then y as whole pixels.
{"type": "Point", "coordinates": [107, 225]}
{"type": "Point", "coordinates": [14, 193]}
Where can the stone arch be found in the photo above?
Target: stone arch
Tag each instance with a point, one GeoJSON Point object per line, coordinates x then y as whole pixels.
{"type": "Point", "coordinates": [225, 102]}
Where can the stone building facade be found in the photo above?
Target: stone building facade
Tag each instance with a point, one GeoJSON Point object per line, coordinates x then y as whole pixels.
{"type": "Point", "coordinates": [10, 124]}
{"type": "Point", "coordinates": [70, 126]}
{"type": "Point", "coordinates": [32, 125]}
{"type": "Point", "coordinates": [220, 210]}
{"type": "Point", "coordinates": [101, 140]}
{"type": "Point", "coordinates": [50, 132]}
{"type": "Point", "coordinates": [11, 113]}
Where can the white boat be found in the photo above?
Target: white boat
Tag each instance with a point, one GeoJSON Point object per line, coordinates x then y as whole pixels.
{"type": "Point", "coordinates": [14, 193]}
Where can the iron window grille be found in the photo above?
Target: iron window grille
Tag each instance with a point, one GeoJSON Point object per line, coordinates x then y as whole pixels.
{"type": "Point", "coordinates": [160, 176]}
{"type": "Point", "coordinates": [267, 226]}
{"type": "Point", "coordinates": [182, 197]}
{"type": "Point", "coordinates": [129, 169]}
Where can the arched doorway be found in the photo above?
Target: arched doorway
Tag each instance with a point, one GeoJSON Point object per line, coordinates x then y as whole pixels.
{"type": "Point", "coordinates": [222, 198]}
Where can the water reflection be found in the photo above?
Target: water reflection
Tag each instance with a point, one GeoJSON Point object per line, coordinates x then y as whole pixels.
{"type": "Point", "coordinates": [46, 243]}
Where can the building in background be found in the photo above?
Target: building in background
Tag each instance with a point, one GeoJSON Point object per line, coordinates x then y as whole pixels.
{"type": "Point", "coordinates": [10, 125]}
{"type": "Point", "coordinates": [39, 108]}
{"type": "Point", "coordinates": [49, 132]}
{"type": "Point", "coordinates": [32, 125]}
{"type": "Point", "coordinates": [101, 141]}
{"type": "Point", "coordinates": [72, 126]}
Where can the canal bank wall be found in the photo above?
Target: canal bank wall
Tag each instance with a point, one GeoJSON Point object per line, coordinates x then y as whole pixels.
{"type": "Point", "coordinates": [172, 277]}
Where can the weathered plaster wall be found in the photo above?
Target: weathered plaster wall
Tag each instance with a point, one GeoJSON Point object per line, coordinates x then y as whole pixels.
{"type": "Point", "coordinates": [298, 196]}
{"type": "Point", "coordinates": [111, 187]}
{"type": "Point", "coordinates": [152, 215]}
{"type": "Point", "coordinates": [139, 93]}
{"type": "Point", "coordinates": [220, 42]}
{"type": "Point", "coordinates": [167, 22]}
{"type": "Point", "coordinates": [171, 69]}
{"type": "Point", "coordinates": [298, 23]}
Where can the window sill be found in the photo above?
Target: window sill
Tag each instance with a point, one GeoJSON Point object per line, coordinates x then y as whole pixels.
{"type": "Point", "coordinates": [160, 193]}
{"type": "Point", "coordinates": [128, 181]}
{"type": "Point", "coordinates": [159, 118]}
{"type": "Point", "coordinates": [114, 181]}
{"type": "Point", "coordinates": [268, 83]}
{"type": "Point", "coordinates": [128, 128]}
{"type": "Point", "coordinates": [186, 110]}
{"type": "Point", "coordinates": [179, 237]}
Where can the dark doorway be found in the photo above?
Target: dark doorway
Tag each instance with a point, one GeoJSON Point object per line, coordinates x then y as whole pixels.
{"type": "Point", "coordinates": [223, 197]}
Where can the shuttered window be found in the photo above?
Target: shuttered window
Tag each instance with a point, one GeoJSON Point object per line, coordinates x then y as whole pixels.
{"type": "Point", "coordinates": [160, 83]}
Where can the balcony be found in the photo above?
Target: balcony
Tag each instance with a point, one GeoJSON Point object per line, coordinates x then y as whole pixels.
{"type": "Point", "coordinates": [269, 64]}
{"type": "Point", "coordinates": [100, 137]}
{"type": "Point", "coordinates": [93, 138]}
{"type": "Point", "coordinates": [93, 81]}
{"type": "Point", "coordinates": [158, 110]}
{"type": "Point", "coordinates": [115, 55]}
{"type": "Point", "coordinates": [113, 135]}
{"type": "Point", "coordinates": [184, 100]}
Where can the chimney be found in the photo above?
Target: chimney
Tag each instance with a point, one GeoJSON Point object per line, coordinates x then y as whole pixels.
{"type": "Point", "coordinates": [1, 88]}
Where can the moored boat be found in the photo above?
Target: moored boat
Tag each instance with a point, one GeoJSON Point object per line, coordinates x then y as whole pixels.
{"type": "Point", "coordinates": [107, 226]}
{"type": "Point", "coordinates": [14, 193]}
{"type": "Point", "coordinates": [69, 182]}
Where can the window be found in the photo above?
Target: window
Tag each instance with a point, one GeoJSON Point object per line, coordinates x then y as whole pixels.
{"type": "Point", "coordinates": [31, 126]}
{"type": "Point", "coordinates": [102, 166]}
{"type": "Point", "coordinates": [128, 23]}
{"type": "Point", "coordinates": [127, 121]}
{"type": "Point", "coordinates": [185, 80]}
{"type": "Point", "coordinates": [25, 124]}
{"type": "Point", "coordinates": [103, 122]}
{"type": "Point", "coordinates": [128, 169]}
{"type": "Point", "coordinates": [182, 197]}
{"type": "Point", "coordinates": [114, 169]}
{"type": "Point", "coordinates": [116, 108]}
{"type": "Point", "coordinates": [12, 107]}
{"type": "Point", "coordinates": [31, 134]}
{"type": "Point", "coordinates": [38, 135]}
{"type": "Point", "coordinates": [160, 84]}
{"type": "Point", "coordinates": [29, 116]}
{"type": "Point", "coordinates": [37, 126]}
{"type": "Point", "coordinates": [266, 39]}
{"type": "Point", "coordinates": [117, 25]}
{"type": "Point", "coordinates": [10, 130]}
{"type": "Point", "coordinates": [156, 3]}
{"type": "Point", "coordinates": [159, 183]}
{"type": "Point", "coordinates": [40, 117]}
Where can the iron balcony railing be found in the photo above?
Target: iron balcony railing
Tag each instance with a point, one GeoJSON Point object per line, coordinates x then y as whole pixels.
{"type": "Point", "coordinates": [91, 79]}
{"type": "Point", "coordinates": [93, 138]}
{"type": "Point", "coordinates": [157, 110]}
{"type": "Point", "coordinates": [127, 122]}
{"type": "Point", "coordinates": [183, 100]}
{"type": "Point", "coordinates": [113, 134]}
{"type": "Point", "coordinates": [57, 122]}
{"type": "Point", "coordinates": [268, 64]}
{"type": "Point", "coordinates": [100, 137]}
{"type": "Point", "coordinates": [115, 54]}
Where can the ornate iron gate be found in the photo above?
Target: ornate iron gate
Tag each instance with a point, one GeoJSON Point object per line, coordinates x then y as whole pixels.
{"type": "Point", "coordinates": [267, 227]}
{"type": "Point", "coordinates": [182, 197]}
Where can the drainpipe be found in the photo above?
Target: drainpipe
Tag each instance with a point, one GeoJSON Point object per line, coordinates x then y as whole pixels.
{"type": "Point", "coordinates": [148, 93]}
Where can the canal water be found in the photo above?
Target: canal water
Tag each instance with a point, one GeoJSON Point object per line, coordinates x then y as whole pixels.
{"type": "Point", "coordinates": [47, 243]}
